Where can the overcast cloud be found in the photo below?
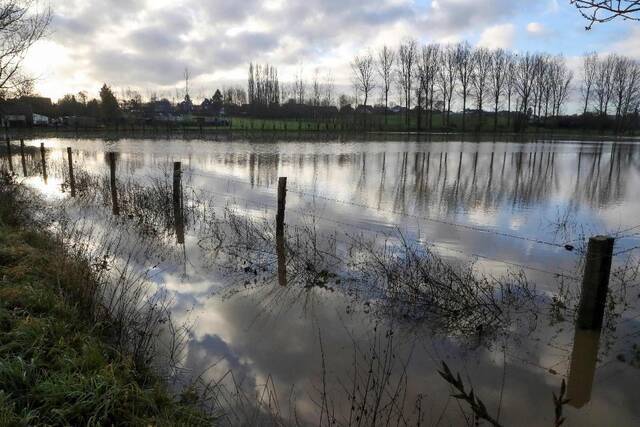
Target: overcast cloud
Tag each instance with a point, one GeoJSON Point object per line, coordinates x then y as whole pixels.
{"type": "Point", "coordinates": [146, 44]}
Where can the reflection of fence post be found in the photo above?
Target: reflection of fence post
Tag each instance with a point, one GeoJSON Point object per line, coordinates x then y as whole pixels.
{"type": "Point", "coordinates": [9, 156]}
{"type": "Point", "coordinates": [595, 282]}
{"type": "Point", "coordinates": [178, 213]}
{"type": "Point", "coordinates": [24, 162]}
{"type": "Point", "coordinates": [44, 162]}
{"type": "Point", "coordinates": [114, 191]}
{"type": "Point", "coordinates": [280, 241]}
{"type": "Point", "coordinates": [584, 358]}
{"type": "Point", "coordinates": [72, 179]}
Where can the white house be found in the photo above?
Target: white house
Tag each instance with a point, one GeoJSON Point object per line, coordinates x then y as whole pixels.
{"type": "Point", "coordinates": [40, 120]}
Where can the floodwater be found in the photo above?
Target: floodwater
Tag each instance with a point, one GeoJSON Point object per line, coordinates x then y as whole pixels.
{"type": "Point", "coordinates": [516, 212]}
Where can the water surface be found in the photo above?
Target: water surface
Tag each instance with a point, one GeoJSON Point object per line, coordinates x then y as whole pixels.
{"type": "Point", "coordinates": [496, 207]}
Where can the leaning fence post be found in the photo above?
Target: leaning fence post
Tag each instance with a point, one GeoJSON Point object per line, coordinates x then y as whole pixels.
{"type": "Point", "coordinates": [178, 213]}
{"type": "Point", "coordinates": [24, 162]}
{"type": "Point", "coordinates": [44, 162]}
{"type": "Point", "coordinates": [114, 191]}
{"type": "Point", "coordinates": [595, 282]}
{"type": "Point", "coordinates": [9, 156]}
{"type": "Point", "coordinates": [280, 241]}
{"type": "Point", "coordinates": [72, 179]}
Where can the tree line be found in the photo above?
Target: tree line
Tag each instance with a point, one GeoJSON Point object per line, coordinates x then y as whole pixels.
{"type": "Point", "coordinates": [434, 77]}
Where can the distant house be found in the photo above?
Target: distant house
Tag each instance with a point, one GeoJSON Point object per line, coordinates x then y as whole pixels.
{"type": "Point", "coordinates": [40, 120]}
{"type": "Point", "coordinates": [397, 109]}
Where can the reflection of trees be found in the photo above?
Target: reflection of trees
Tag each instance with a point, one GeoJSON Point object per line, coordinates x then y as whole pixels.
{"type": "Point", "coordinates": [424, 181]}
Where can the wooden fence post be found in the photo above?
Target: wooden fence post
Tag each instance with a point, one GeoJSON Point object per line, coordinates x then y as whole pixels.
{"type": "Point", "coordinates": [9, 156]}
{"type": "Point", "coordinates": [178, 213]}
{"type": "Point", "coordinates": [595, 282]}
{"type": "Point", "coordinates": [24, 162]}
{"type": "Point", "coordinates": [43, 161]}
{"type": "Point", "coordinates": [280, 238]}
{"type": "Point", "coordinates": [114, 191]}
{"type": "Point", "coordinates": [72, 179]}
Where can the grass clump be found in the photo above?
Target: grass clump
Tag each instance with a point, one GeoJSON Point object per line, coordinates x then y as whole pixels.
{"type": "Point", "coordinates": [59, 366]}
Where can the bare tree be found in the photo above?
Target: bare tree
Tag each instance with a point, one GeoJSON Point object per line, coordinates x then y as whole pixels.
{"type": "Point", "coordinates": [22, 23]}
{"type": "Point", "coordinates": [510, 83]}
{"type": "Point", "coordinates": [328, 89]}
{"type": "Point", "coordinates": [406, 62]}
{"type": "Point", "coordinates": [498, 76]}
{"type": "Point", "coordinates": [524, 78]}
{"type": "Point", "coordinates": [480, 76]}
{"type": "Point", "coordinates": [464, 67]}
{"type": "Point", "coordinates": [363, 74]}
{"type": "Point", "coordinates": [589, 70]}
{"type": "Point", "coordinates": [385, 63]}
{"type": "Point", "coordinates": [287, 92]}
{"type": "Point", "coordinates": [428, 66]}
{"type": "Point", "coordinates": [447, 77]}
{"type": "Point", "coordinates": [603, 83]}
{"type": "Point", "coordinates": [607, 10]}
{"type": "Point", "coordinates": [316, 91]}
{"type": "Point", "coordinates": [625, 86]}
{"type": "Point", "coordinates": [560, 82]}
{"type": "Point", "coordinates": [540, 87]}
{"type": "Point", "coordinates": [299, 86]}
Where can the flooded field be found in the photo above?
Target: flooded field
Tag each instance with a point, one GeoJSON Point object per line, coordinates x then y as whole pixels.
{"type": "Point", "coordinates": [396, 257]}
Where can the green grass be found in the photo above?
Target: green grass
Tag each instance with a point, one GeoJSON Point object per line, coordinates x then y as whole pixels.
{"type": "Point", "coordinates": [57, 367]}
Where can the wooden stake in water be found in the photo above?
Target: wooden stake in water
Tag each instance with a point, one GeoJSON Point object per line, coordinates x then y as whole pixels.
{"type": "Point", "coordinates": [280, 239]}
{"type": "Point", "coordinates": [43, 159]}
{"type": "Point", "coordinates": [72, 179]}
{"type": "Point", "coordinates": [178, 212]}
{"type": "Point", "coordinates": [595, 282]}
{"type": "Point", "coordinates": [9, 156]}
{"type": "Point", "coordinates": [24, 162]}
{"type": "Point", "coordinates": [114, 191]}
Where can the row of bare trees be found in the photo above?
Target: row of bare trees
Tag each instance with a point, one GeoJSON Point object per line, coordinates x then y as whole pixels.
{"type": "Point", "coordinates": [611, 86]}
{"type": "Point", "coordinates": [433, 76]}
{"type": "Point", "coordinates": [263, 85]}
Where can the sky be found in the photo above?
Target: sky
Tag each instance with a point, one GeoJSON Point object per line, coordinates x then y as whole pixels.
{"type": "Point", "coordinates": [146, 44]}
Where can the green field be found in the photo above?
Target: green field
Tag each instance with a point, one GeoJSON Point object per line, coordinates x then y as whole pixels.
{"type": "Point", "coordinates": [373, 123]}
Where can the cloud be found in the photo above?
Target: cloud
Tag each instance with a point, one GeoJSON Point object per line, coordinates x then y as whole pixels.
{"type": "Point", "coordinates": [147, 43]}
{"type": "Point", "coordinates": [629, 46]}
{"type": "Point", "coordinates": [460, 16]}
{"type": "Point", "coordinates": [498, 36]}
{"type": "Point", "coordinates": [536, 28]}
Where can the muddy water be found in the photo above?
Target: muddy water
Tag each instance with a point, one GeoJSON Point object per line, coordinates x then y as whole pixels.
{"type": "Point", "coordinates": [496, 208]}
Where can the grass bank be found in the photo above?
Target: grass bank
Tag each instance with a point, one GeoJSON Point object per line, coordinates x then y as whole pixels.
{"type": "Point", "coordinates": [59, 365]}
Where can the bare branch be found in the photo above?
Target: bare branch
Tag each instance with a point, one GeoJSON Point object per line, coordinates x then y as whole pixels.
{"type": "Point", "coordinates": [598, 11]}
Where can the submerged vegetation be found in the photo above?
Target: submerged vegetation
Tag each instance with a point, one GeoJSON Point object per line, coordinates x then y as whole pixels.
{"type": "Point", "coordinates": [66, 357]}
